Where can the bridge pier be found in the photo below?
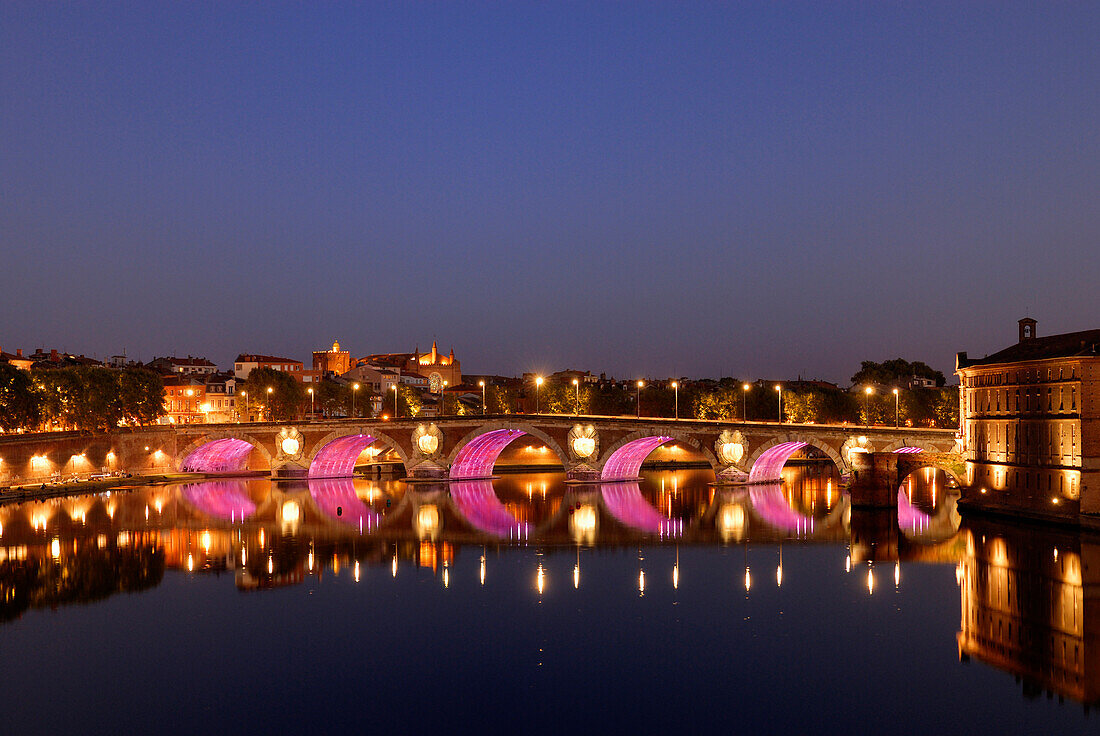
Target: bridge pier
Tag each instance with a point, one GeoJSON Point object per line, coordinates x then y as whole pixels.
{"type": "Point", "coordinates": [875, 480]}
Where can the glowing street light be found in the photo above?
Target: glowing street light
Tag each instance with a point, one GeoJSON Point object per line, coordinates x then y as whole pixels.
{"type": "Point", "coordinates": [745, 388]}
{"type": "Point", "coordinates": [577, 386]}
{"type": "Point", "coordinates": [482, 384]}
{"type": "Point", "coordinates": [246, 417]}
{"type": "Point", "coordinates": [354, 390]}
{"type": "Point", "coordinates": [443, 399]}
{"type": "Point", "coordinates": [897, 416]}
{"type": "Point", "coordinates": [779, 388]}
{"type": "Point", "coordinates": [867, 404]}
{"type": "Point", "coordinates": [310, 389]}
{"type": "Point", "coordinates": [394, 387]}
{"type": "Point", "coordinates": [269, 391]}
{"type": "Point", "coordinates": [676, 399]}
{"type": "Point", "coordinates": [538, 385]}
{"type": "Point", "coordinates": [640, 384]}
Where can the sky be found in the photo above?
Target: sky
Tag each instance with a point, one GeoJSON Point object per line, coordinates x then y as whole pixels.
{"type": "Point", "coordinates": [765, 189]}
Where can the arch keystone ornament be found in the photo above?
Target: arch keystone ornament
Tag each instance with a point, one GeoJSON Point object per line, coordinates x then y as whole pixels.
{"type": "Point", "coordinates": [289, 445]}
{"type": "Point", "coordinates": [428, 441]}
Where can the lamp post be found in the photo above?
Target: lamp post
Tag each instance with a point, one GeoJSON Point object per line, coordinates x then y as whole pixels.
{"type": "Point", "coordinates": [577, 406]}
{"type": "Point", "coordinates": [269, 412]}
{"type": "Point", "coordinates": [538, 385]}
{"type": "Point", "coordinates": [482, 384]}
{"type": "Point", "coordinates": [897, 415]}
{"type": "Point", "coordinates": [640, 384]}
{"type": "Point", "coordinates": [245, 395]}
{"type": "Point", "coordinates": [394, 401]}
{"type": "Point", "coordinates": [354, 390]}
{"type": "Point", "coordinates": [310, 389]}
{"type": "Point", "coordinates": [676, 399]}
{"type": "Point", "coordinates": [867, 404]}
{"type": "Point", "coordinates": [745, 387]}
{"type": "Point", "coordinates": [779, 388]}
{"type": "Point", "coordinates": [443, 399]}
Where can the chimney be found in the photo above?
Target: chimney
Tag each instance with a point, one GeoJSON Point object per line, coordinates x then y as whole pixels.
{"type": "Point", "coordinates": [1027, 329]}
{"type": "Point", "coordinates": [53, 355]}
{"type": "Point", "coordinates": [19, 352]}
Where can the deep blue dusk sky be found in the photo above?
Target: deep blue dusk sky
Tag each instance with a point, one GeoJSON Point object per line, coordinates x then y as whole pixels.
{"type": "Point", "coordinates": [759, 189]}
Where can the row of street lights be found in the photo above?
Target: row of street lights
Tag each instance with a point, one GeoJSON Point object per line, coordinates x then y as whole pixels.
{"type": "Point", "coordinates": [675, 385]}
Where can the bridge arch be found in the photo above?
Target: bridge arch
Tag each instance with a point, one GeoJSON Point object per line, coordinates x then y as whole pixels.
{"type": "Point", "coordinates": [625, 502]}
{"type": "Point", "coordinates": [623, 459]}
{"type": "Point", "coordinates": [766, 463]}
{"type": "Point", "coordinates": [910, 445]}
{"type": "Point", "coordinates": [226, 500]}
{"type": "Point", "coordinates": [335, 454]}
{"type": "Point", "coordinates": [477, 502]}
{"type": "Point", "coordinates": [221, 452]}
{"type": "Point", "coordinates": [476, 453]}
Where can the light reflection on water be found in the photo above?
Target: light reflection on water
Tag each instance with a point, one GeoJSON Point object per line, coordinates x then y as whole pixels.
{"type": "Point", "coordinates": [605, 595]}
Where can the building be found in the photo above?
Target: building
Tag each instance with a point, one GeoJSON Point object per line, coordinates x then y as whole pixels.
{"type": "Point", "coordinates": [1030, 424]}
{"type": "Point", "coordinates": [17, 359]}
{"type": "Point", "coordinates": [183, 366]}
{"type": "Point", "coordinates": [184, 396]}
{"type": "Point", "coordinates": [220, 405]}
{"type": "Point", "coordinates": [334, 361]}
{"type": "Point", "coordinates": [248, 362]}
{"type": "Point", "coordinates": [433, 366]}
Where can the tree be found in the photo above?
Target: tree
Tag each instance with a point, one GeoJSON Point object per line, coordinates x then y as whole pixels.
{"type": "Point", "coordinates": [411, 403]}
{"type": "Point", "coordinates": [332, 398]}
{"type": "Point", "coordinates": [142, 394]}
{"type": "Point", "coordinates": [803, 407]}
{"type": "Point", "coordinates": [20, 402]}
{"type": "Point", "coordinates": [892, 372]}
{"type": "Point", "coordinates": [100, 404]}
{"type": "Point", "coordinates": [946, 407]}
{"type": "Point", "coordinates": [285, 399]}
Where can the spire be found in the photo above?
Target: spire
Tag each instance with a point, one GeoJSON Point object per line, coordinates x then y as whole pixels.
{"type": "Point", "coordinates": [435, 353]}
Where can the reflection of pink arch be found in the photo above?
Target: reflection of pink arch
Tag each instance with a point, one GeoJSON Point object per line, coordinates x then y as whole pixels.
{"type": "Point", "coordinates": [337, 458]}
{"type": "Point", "coordinates": [770, 505]}
{"type": "Point", "coordinates": [336, 498]}
{"type": "Point", "coordinates": [910, 518]}
{"type": "Point", "coordinates": [479, 505]}
{"type": "Point", "coordinates": [907, 450]}
{"type": "Point", "coordinates": [626, 462]}
{"type": "Point", "coordinates": [769, 466]}
{"type": "Point", "coordinates": [626, 503]}
{"type": "Point", "coordinates": [477, 457]}
{"type": "Point", "coordinates": [218, 456]}
{"type": "Point", "coordinates": [222, 499]}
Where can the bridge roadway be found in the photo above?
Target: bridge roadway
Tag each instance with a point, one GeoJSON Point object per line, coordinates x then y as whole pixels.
{"type": "Point", "coordinates": [589, 448]}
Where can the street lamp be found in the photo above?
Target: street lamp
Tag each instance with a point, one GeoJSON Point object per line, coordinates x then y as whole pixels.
{"type": "Point", "coordinates": [676, 399]}
{"type": "Point", "coordinates": [246, 417]}
{"type": "Point", "coordinates": [640, 384]}
{"type": "Point", "coordinates": [745, 388]}
{"type": "Point", "coordinates": [269, 412]}
{"type": "Point", "coordinates": [394, 400]}
{"type": "Point", "coordinates": [482, 384]}
{"type": "Point", "coordinates": [354, 390]}
{"type": "Point", "coordinates": [780, 390]}
{"type": "Point", "coordinates": [896, 414]}
{"type": "Point", "coordinates": [538, 385]}
{"type": "Point", "coordinates": [577, 386]}
{"type": "Point", "coordinates": [310, 389]}
{"type": "Point", "coordinates": [443, 399]}
{"type": "Point", "coordinates": [867, 404]}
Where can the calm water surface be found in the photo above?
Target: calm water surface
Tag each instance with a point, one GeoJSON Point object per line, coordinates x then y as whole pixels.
{"type": "Point", "coordinates": [525, 604]}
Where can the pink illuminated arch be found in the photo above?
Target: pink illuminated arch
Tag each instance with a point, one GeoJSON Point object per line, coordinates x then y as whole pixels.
{"type": "Point", "coordinates": [769, 466]}
{"type": "Point", "coordinates": [625, 502]}
{"type": "Point", "coordinates": [477, 458]}
{"type": "Point", "coordinates": [910, 518]}
{"type": "Point", "coordinates": [336, 498]}
{"type": "Point", "coordinates": [625, 463]}
{"type": "Point", "coordinates": [227, 500]}
{"type": "Point", "coordinates": [218, 456]}
{"type": "Point", "coordinates": [337, 458]}
{"type": "Point", "coordinates": [478, 503]}
{"type": "Point", "coordinates": [907, 450]}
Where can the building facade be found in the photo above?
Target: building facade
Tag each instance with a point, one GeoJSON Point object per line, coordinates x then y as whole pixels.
{"type": "Point", "coordinates": [437, 369]}
{"type": "Point", "coordinates": [248, 362]}
{"type": "Point", "coordinates": [334, 360]}
{"type": "Point", "coordinates": [1030, 424]}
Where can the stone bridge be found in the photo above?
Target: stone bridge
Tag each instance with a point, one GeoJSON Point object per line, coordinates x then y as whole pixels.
{"type": "Point", "coordinates": [588, 448]}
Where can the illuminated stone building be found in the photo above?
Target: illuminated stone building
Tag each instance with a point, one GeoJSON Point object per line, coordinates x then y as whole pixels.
{"type": "Point", "coordinates": [184, 397]}
{"type": "Point", "coordinates": [248, 362]}
{"type": "Point", "coordinates": [1030, 425]}
{"type": "Point", "coordinates": [436, 368]}
{"type": "Point", "coordinates": [334, 360]}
